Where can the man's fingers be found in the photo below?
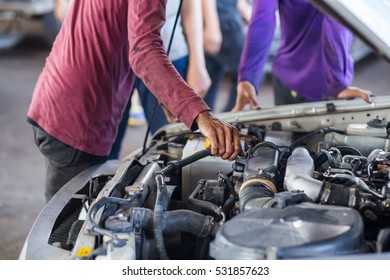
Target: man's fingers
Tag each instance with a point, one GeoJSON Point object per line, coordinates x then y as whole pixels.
{"type": "Point", "coordinates": [227, 145]}
{"type": "Point", "coordinates": [224, 137]}
{"type": "Point", "coordinates": [214, 142]}
{"type": "Point", "coordinates": [232, 143]}
{"type": "Point", "coordinates": [221, 140]}
{"type": "Point", "coordinates": [254, 104]}
{"type": "Point", "coordinates": [366, 96]}
{"type": "Point", "coordinates": [353, 92]}
{"type": "Point", "coordinates": [237, 108]}
{"type": "Point", "coordinates": [228, 138]}
{"type": "Point", "coordinates": [236, 144]}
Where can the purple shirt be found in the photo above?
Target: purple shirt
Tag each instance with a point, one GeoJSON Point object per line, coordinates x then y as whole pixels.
{"type": "Point", "coordinates": [313, 58]}
{"type": "Point", "coordinates": [84, 87]}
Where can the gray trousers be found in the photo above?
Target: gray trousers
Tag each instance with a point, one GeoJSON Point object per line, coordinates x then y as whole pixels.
{"type": "Point", "coordinates": [63, 162]}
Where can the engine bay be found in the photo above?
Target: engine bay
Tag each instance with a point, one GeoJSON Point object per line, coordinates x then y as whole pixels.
{"type": "Point", "coordinates": [310, 185]}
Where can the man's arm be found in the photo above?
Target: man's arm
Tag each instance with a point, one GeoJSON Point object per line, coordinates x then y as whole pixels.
{"type": "Point", "coordinates": [212, 30]}
{"type": "Point", "coordinates": [338, 62]}
{"type": "Point", "coordinates": [150, 63]}
{"type": "Point", "coordinates": [61, 9]}
{"type": "Point", "coordinates": [258, 42]}
{"type": "Point", "coordinates": [197, 76]}
{"type": "Point", "coordinates": [245, 10]}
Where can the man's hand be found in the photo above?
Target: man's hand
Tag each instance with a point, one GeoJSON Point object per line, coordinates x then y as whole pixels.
{"type": "Point", "coordinates": [246, 94]}
{"type": "Point", "coordinates": [352, 92]}
{"type": "Point", "coordinates": [224, 138]}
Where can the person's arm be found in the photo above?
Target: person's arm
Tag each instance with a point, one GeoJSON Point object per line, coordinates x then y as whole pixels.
{"type": "Point", "coordinates": [212, 30]}
{"type": "Point", "coordinates": [255, 53]}
{"type": "Point", "coordinates": [246, 95]}
{"type": "Point", "coordinates": [338, 62]}
{"type": "Point", "coordinates": [353, 92]}
{"type": "Point", "coordinates": [150, 63]}
{"type": "Point", "coordinates": [197, 76]}
{"type": "Point", "coordinates": [245, 10]}
{"type": "Point", "coordinates": [61, 9]}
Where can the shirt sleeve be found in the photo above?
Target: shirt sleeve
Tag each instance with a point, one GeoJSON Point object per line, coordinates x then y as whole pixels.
{"type": "Point", "coordinates": [258, 41]}
{"type": "Point", "coordinates": [337, 60]}
{"type": "Point", "coordinates": [150, 63]}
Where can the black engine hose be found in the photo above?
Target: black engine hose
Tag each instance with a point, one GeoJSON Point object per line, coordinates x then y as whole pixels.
{"type": "Point", "coordinates": [162, 198]}
{"type": "Point", "coordinates": [256, 195]}
{"type": "Point", "coordinates": [229, 203]}
{"type": "Point", "coordinates": [334, 194]}
{"type": "Point", "coordinates": [103, 202]}
{"type": "Point", "coordinates": [177, 221]}
{"type": "Point", "coordinates": [345, 150]}
{"type": "Point", "coordinates": [158, 216]}
{"type": "Point", "coordinates": [320, 131]}
{"type": "Point", "coordinates": [205, 205]}
{"type": "Point", "coordinates": [175, 165]}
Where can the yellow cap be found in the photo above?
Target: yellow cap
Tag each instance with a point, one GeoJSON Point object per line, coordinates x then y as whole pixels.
{"type": "Point", "coordinates": [207, 143]}
{"type": "Point", "coordinates": [84, 252]}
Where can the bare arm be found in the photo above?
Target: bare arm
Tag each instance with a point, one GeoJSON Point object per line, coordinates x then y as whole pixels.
{"type": "Point", "coordinates": [245, 10]}
{"type": "Point", "coordinates": [197, 76]}
{"type": "Point", "coordinates": [61, 9]}
{"type": "Point", "coordinates": [212, 30]}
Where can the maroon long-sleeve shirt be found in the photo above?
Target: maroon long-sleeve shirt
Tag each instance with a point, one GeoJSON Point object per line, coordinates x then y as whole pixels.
{"type": "Point", "coordinates": [83, 89]}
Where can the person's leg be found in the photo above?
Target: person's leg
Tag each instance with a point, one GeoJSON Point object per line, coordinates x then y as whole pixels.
{"type": "Point", "coordinates": [148, 101]}
{"type": "Point", "coordinates": [231, 102]}
{"type": "Point", "coordinates": [63, 162]}
{"type": "Point", "coordinates": [216, 72]}
{"type": "Point", "coordinates": [231, 54]}
{"type": "Point", "coordinates": [285, 95]}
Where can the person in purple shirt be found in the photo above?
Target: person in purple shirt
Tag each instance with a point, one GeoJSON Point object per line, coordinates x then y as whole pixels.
{"type": "Point", "coordinates": [312, 63]}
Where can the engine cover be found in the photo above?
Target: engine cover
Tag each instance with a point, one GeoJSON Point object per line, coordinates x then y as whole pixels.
{"type": "Point", "coordinates": [291, 233]}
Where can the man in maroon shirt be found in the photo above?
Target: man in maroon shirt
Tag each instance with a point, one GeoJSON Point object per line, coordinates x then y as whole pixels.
{"type": "Point", "coordinates": [84, 87]}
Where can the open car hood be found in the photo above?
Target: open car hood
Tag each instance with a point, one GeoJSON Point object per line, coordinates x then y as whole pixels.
{"type": "Point", "coordinates": [368, 20]}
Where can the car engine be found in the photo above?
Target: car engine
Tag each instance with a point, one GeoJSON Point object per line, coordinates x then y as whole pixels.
{"type": "Point", "coordinates": [313, 183]}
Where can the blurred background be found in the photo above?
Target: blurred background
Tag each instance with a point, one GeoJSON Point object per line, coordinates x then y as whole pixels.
{"type": "Point", "coordinates": [22, 170]}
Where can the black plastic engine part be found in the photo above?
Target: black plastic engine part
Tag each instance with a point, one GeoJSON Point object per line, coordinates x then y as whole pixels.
{"type": "Point", "coordinates": [296, 232]}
